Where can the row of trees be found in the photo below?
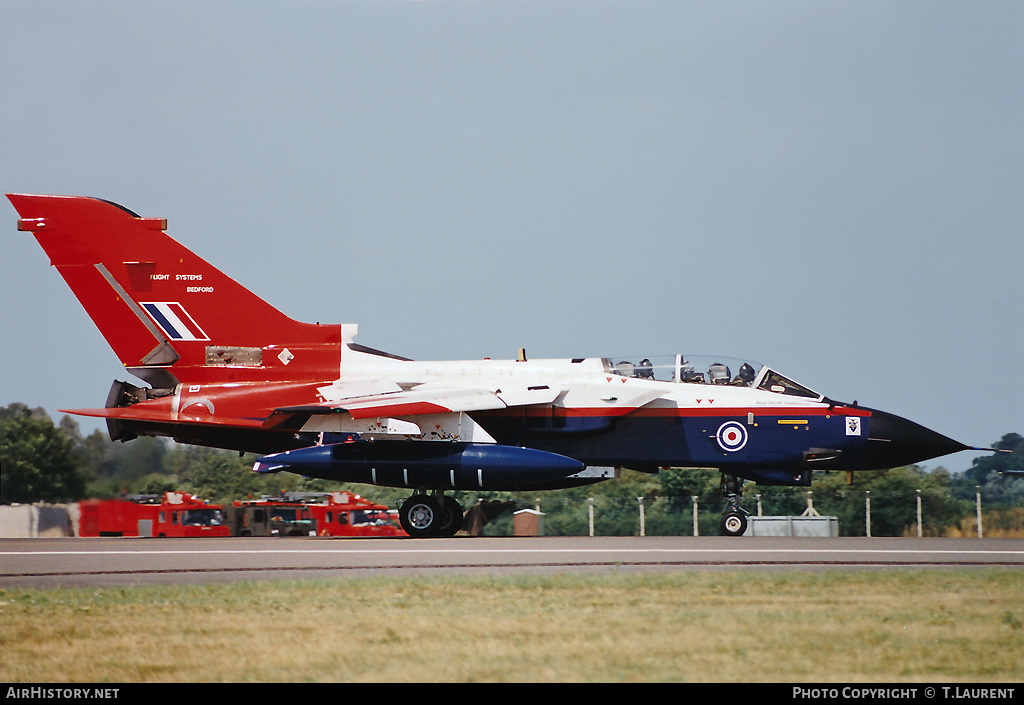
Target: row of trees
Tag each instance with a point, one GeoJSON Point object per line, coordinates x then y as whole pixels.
{"type": "Point", "coordinates": [43, 461]}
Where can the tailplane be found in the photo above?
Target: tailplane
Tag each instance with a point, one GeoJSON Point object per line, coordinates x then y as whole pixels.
{"type": "Point", "coordinates": [169, 315]}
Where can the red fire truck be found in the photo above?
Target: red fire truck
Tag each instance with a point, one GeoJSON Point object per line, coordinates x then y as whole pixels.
{"type": "Point", "coordinates": [171, 514]}
{"type": "Point", "coordinates": [347, 514]}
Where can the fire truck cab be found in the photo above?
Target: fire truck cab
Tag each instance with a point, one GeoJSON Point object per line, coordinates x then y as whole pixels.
{"type": "Point", "coordinates": [347, 514]}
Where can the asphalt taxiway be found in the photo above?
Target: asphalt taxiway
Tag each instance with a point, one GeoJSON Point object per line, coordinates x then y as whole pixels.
{"type": "Point", "coordinates": [67, 562]}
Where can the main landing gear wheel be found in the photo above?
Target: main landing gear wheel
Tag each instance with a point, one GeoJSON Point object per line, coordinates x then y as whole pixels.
{"type": "Point", "coordinates": [423, 516]}
{"type": "Point", "coordinates": [419, 515]}
{"type": "Point", "coordinates": [451, 517]}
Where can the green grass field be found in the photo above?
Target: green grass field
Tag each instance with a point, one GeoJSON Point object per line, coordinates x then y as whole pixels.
{"type": "Point", "coordinates": [731, 626]}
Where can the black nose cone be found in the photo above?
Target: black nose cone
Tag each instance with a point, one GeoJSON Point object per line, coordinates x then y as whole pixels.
{"type": "Point", "coordinates": [894, 441]}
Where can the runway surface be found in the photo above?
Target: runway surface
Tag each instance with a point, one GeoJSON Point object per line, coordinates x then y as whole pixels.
{"type": "Point", "coordinates": [133, 561]}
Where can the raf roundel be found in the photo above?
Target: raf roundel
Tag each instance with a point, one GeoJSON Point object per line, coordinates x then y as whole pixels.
{"type": "Point", "coordinates": [731, 436]}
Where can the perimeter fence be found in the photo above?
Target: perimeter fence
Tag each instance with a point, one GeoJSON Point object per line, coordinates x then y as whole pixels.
{"type": "Point", "coordinates": [859, 513]}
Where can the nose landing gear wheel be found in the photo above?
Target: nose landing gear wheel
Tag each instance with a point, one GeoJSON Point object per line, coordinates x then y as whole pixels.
{"type": "Point", "coordinates": [734, 520]}
{"type": "Point", "coordinates": [734, 524]}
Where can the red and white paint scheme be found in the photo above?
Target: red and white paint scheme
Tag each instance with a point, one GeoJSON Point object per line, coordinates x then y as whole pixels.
{"type": "Point", "coordinates": [221, 367]}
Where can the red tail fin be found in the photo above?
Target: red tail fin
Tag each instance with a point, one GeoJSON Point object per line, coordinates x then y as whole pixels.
{"type": "Point", "coordinates": [169, 315]}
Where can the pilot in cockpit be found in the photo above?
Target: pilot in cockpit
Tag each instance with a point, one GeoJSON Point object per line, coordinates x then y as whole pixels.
{"type": "Point", "coordinates": [745, 377]}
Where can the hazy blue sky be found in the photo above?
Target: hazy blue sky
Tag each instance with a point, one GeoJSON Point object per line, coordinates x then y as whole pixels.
{"type": "Point", "coordinates": [833, 188]}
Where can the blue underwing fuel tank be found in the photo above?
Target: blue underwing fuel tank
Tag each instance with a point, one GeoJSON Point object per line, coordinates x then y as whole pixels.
{"type": "Point", "coordinates": [457, 466]}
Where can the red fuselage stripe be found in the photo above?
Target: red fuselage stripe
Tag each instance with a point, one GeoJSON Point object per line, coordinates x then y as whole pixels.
{"type": "Point", "coordinates": [701, 411]}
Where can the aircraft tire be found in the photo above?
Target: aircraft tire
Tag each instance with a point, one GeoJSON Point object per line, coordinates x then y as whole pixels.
{"type": "Point", "coordinates": [451, 518]}
{"type": "Point", "coordinates": [734, 524]}
{"type": "Point", "coordinates": [420, 516]}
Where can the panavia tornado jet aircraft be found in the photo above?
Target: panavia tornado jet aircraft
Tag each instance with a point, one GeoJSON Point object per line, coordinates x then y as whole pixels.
{"type": "Point", "coordinates": [223, 368]}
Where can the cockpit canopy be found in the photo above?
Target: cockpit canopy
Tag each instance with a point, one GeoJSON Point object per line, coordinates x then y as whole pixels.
{"type": "Point", "coordinates": [703, 369]}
